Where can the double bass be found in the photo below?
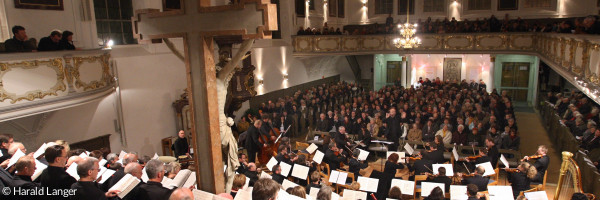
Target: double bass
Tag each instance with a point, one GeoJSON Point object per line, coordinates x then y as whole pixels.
{"type": "Point", "coordinates": [266, 152]}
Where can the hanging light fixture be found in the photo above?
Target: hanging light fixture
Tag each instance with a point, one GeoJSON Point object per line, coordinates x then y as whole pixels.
{"type": "Point", "coordinates": [407, 39]}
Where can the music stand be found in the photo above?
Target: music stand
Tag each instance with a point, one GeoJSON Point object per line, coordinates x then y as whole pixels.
{"type": "Point", "coordinates": [385, 143]}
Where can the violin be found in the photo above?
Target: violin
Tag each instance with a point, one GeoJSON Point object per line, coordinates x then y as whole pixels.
{"type": "Point", "coordinates": [512, 170]}
{"type": "Point", "coordinates": [471, 158]}
{"type": "Point", "coordinates": [533, 157]}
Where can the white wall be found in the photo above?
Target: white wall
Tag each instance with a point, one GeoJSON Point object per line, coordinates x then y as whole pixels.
{"type": "Point", "coordinates": [76, 124]}
{"type": "Point", "coordinates": [39, 23]}
{"type": "Point", "coordinates": [272, 62]}
{"type": "Point", "coordinates": [149, 84]}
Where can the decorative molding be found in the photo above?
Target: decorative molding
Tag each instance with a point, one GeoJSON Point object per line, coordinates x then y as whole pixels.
{"type": "Point", "coordinates": [94, 84]}
{"type": "Point", "coordinates": [55, 64]}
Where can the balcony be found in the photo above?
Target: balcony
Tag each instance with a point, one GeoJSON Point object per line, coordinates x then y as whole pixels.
{"type": "Point", "coordinates": [33, 83]}
{"type": "Point", "coordinates": [575, 57]}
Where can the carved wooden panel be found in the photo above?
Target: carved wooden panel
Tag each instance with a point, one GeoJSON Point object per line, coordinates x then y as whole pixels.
{"type": "Point", "coordinates": [452, 68]}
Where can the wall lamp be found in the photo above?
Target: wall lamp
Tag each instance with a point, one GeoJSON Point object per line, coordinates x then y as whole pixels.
{"type": "Point", "coordinates": [260, 82]}
{"type": "Point", "coordinates": [285, 77]}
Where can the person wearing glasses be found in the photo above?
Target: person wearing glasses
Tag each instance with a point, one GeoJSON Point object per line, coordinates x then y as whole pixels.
{"type": "Point", "coordinates": [55, 177]}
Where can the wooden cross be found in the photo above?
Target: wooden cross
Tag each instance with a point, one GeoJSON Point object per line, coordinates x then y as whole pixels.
{"type": "Point", "coordinates": [198, 23]}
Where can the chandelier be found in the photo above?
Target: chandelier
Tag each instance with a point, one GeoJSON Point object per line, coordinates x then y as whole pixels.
{"type": "Point", "coordinates": [407, 39]}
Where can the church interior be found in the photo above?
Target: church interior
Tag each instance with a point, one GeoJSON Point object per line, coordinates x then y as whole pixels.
{"type": "Point", "coordinates": [300, 99]}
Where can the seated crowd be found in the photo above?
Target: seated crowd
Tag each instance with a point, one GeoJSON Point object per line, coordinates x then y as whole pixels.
{"type": "Point", "coordinates": [581, 25]}
{"type": "Point", "coordinates": [580, 115]}
{"type": "Point", "coordinates": [434, 112]}
{"type": "Point", "coordinates": [56, 41]}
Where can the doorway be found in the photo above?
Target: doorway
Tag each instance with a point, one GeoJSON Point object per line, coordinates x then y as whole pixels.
{"type": "Point", "coordinates": [515, 79]}
{"type": "Point", "coordinates": [394, 72]}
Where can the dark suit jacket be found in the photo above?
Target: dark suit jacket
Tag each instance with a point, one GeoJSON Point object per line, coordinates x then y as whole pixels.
{"type": "Point", "coordinates": [478, 180]}
{"type": "Point", "coordinates": [541, 165]}
{"type": "Point", "coordinates": [323, 125]}
{"type": "Point", "coordinates": [390, 168]}
{"type": "Point", "coordinates": [56, 178]}
{"type": "Point", "coordinates": [332, 160]}
{"type": "Point", "coordinates": [252, 143]}
{"type": "Point", "coordinates": [118, 175]}
{"type": "Point", "coordinates": [5, 155]}
{"type": "Point", "coordinates": [436, 156]}
{"type": "Point", "coordinates": [5, 178]}
{"type": "Point", "coordinates": [253, 176]}
{"type": "Point", "coordinates": [278, 178]}
{"type": "Point", "coordinates": [87, 190]}
{"type": "Point", "coordinates": [519, 182]}
{"type": "Point", "coordinates": [152, 191]}
{"type": "Point", "coordinates": [355, 166]}
{"type": "Point", "coordinates": [442, 179]}
{"type": "Point", "coordinates": [23, 182]}
{"type": "Point", "coordinates": [494, 155]}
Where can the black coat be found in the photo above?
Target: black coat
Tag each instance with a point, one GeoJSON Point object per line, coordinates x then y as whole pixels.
{"type": "Point", "coordinates": [478, 180]}
{"type": "Point", "coordinates": [332, 160]}
{"type": "Point", "coordinates": [494, 155]}
{"type": "Point", "coordinates": [519, 182]}
{"type": "Point", "coordinates": [394, 127]}
{"type": "Point", "coordinates": [391, 168]}
{"type": "Point", "coordinates": [442, 179]}
{"type": "Point", "coordinates": [252, 143]}
{"type": "Point", "coordinates": [23, 182]}
{"type": "Point", "coordinates": [541, 165]}
{"type": "Point", "coordinates": [181, 146]}
{"type": "Point", "coordinates": [5, 155]}
{"type": "Point", "coordinates": [436, 156]}
{"type": "Point", "coordinates": [87, 190]}
{"type": "Point", "coordinates": [152, 191]}
{"type": "Point", "coordinates": [253, 176]}
{"type": "Point", "coordinates": [46, 44]}
{"type": "Point", "coordinates": [355, 166]}
{"type": "Point", "coordinates": [116, 177]}
{"type": "Point", "coordinates": [278, 178]}
{"type": "Point", "coordinates": [56, 178]}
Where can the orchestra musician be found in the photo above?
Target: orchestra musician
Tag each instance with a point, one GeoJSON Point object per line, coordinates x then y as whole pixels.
{"type": "Point", "coordinates": [492, 151]}
{"type": "Point", "coordinates": [435, 153]}
{"type": "Point", "coordinates": [334, 156]}
{"type": "Point", "coordinates": [283, 156]}
{"type": "Point", "coordinates": [267, 126]}
{"type": "Point", "coordinates": [392, 165]}
{"type": "Point", "coordinates": [541, 163]}
{"type": "Point", "coordinates": [341, 138]}
{"type": "Point", "coordinates": [520, 178]}
{"type": "Point", "coordinates": [355, 165]}
{"type": "Point", "coordinates": [477, 179]}
{"type": "Point", "coordinates": [252, 143]}
{"type": "Point", "coordinates": [440, 178]}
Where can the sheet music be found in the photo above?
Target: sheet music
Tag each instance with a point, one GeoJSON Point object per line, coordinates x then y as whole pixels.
{"type": "Point", "coordinates": [539, 195]}
{"type": "Point", "coordinates": [500, 192]}
{"type": "Point", "coordinates": [318, 158]}
{"type": "Point", "coordinates": [300, 171]}
{"type": "Point", "coordinates": [409, 149]}
{"type": "Point", "coordinates": [335, 196]}
{"type": "Point", "coordinates": [39, 151]}
{"type": "Point", "coordinates": [167, 181]}
{"type": "Point", "coordinates": [144, 175]}
{"type": "Point", "coordinates": [102, 171]}
{"type": "Point", "coordinates": [426, 188]}
{"type": "Point", "coordinates": [125, 185]}
{"type": "Point", "coordinates": [72, 170]}
{"type": "Point", "coordinates": [449, 169]}
{"type": "Point", "coordinates": [489, 170]}
{"type": "Point", "coordinates": [354, 195]}
{"type": "Point", "coordinates": [368, 184]}
{"type": "Point", "coordinates": [363, 155]}
{"type": "Point", "coordinates": [288, 184]}
{"type": "Point", "coordinates": [314, 192]}
{"type": "Point", "coordinates": [202, 195]}
{"type": "Point", "coordinates": [39, 167]}
{"type": "Point", "coordinates": [333, 176]}
{"type": "Point", "coordinates": [156, 157]}
{"type": "Point", "coordinates": [15, 157]}
{"type": "Point", "coordinates": [285, 169]}
{"type": "Point", "coordinates": [265, 175]}
{"type": "Point", "coordinates": [272, 162]}
{"type": "Point", "coordinates": [504, 161]}
{"type": "Point", "coordinates": [180, 178]}
{"type": "Point", "coordinates": [83, 155]}
{"type": "Point", "coordinates": [338, 177]}
{"type": "Point", "coordinates": [243, 195]}
{"type": "Point", "coordinates": [316, 138]}
{"type": "Point", "coordinates": [459, 192]}
{"type": "Point", "coordinates": [191, 180]}
{"type": "Point", "coordinates": [406, 187]}
{"type": "Point", "coordinates": [312, 148]}
{"type": "Point", "coordinates": [107, 174]}
{"type": "Point", "coordinates": [246, 184]}
{"type": "Point", "coordinates": [102, 162]}
{"type": "Point", "coordinates": [455, 153]}
{"type": "Point", "coordinates": [122, 154]}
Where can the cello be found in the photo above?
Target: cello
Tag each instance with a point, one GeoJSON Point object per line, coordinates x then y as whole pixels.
{"type": "Point", "coordinates": [267, 152]}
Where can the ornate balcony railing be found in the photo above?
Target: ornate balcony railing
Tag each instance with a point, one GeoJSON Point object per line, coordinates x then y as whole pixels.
{"type": "Point", "coordinates": [575, 57]}
{"type": "Point", "coordinates": [32, 83]}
